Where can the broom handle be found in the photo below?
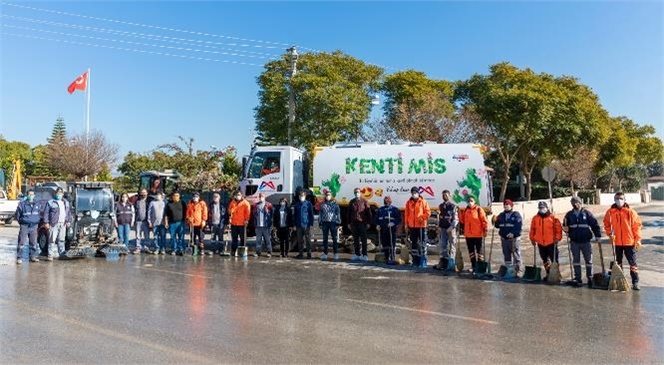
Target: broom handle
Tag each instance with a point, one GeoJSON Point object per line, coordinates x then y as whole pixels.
{"type": "Point", "coordinates": [569, 254]}
{"type": "Point", "coordinates": [601, 257]}
{"type": "Point", "coordinates": [493, 231]}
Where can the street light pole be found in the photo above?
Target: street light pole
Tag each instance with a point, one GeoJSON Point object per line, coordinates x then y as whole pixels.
{"type": "Point", "coordinates": [291, 93]}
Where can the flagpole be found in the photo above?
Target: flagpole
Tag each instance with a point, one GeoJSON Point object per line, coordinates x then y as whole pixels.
{"type": "Point", "coordinates": [87, 116]}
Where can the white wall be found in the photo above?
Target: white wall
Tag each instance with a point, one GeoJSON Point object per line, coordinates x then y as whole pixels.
{"type": "Point", "coordinates": [528, 209]}
{"type": "Point", "coordinates": [630, 198]}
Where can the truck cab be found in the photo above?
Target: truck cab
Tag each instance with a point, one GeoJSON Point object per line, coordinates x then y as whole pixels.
{"type": "Point", "coordinates": [275, 171]}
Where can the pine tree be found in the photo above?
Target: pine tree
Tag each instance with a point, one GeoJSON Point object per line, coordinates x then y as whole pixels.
{"type": "Point", "coordinates": [59, 131]}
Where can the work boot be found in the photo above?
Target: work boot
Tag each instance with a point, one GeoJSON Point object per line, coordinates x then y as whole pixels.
{"type": "Point", "coordinates": [635, 285]}
{"type": "Point", "coordinates": [195, 251]}
{"type": "Point", "coordinates": [19, 261]}
{"type": "Point", "coordinates": [34, 259]}
{"type": "Point", "coordinates": [451, 264]}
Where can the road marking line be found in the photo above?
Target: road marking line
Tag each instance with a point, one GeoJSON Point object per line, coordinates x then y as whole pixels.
{"type": "Point", "coordinates": [423, 311]}
{"type": "Point", "coordinates": [107, 332]}
{"type": "Point", "coordinates": [174, 272]}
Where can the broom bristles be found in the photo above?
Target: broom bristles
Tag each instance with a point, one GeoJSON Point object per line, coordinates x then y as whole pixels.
{"type": "Point", "coordinates": [618, 282]}
{"type": "Point", "coordinates": [554, 274]}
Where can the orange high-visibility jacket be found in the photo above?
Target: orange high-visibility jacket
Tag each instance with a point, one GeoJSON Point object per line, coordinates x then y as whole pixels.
{"type": "Point", "coordinates": [545, 230]}
{"type": "Point", "coordinates": [625, 225]}
{"type": "Point", "coordinates": [239, 212]}
{"type": "Point", "coordinates": [474, 221]}
{"type": "Point", "coordinates": [417, 213]}
{"type": "Point", "coordinates": [197, 213]}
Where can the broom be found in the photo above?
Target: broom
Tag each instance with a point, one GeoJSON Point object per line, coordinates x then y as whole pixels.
{"type": "Point", "coordinates": [554, 270]}
{"type": "Point", "coordinates": [618, 282]}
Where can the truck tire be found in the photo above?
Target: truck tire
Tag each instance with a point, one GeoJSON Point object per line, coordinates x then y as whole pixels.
{"type": "Point", "coordinates": [8, 221]}
{"type": "Point", "coordinates": [42, 240]}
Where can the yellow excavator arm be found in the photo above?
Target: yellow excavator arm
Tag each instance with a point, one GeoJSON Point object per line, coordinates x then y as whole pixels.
{"type": "Point", "coordinates": [14, 186]}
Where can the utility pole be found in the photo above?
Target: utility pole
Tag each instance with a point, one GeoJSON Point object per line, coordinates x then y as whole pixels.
{"type": "Point", "coordinates": [291, 92]}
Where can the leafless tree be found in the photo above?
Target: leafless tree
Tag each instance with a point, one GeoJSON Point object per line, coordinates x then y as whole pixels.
{"type": "Point", "coordinates": [79, 156]}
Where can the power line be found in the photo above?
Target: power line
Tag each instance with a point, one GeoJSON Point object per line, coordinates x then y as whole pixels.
{"type": "Point", "coordinates": [134, 34]}
{"type": "Point", "coordinates": [132, 43]}
{"type": "Point", "coordinates": [131, 49]}
{"type": "Point", "coordinates": [144, 25]}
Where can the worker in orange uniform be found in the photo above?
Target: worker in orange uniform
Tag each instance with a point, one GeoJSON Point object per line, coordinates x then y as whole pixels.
{"type": "Point", "coordinates": [624, 226]}
{"type": "Point", "coordinates": [416, 214]}
{"type": "Point", "coordinates": [475, 228]}
{"type": "Point", "coordinates": [197, 215]}
{"type": "Point", "coordinates": [239, 211]}
{"type": "Point", "coordinates": [545, 232]}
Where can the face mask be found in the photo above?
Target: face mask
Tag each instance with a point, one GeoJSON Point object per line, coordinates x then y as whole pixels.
{"type": "Point", "coordinates": [415, 195]}
{"type": "Point", "coordinates": [302, 198]}
{"type": "Point", "coordinates": [261, 199]}
{"type": "Point", "coordinates": [31, 198]}
{"type": "Point", "coordinates": [196, 200]}
{"type": "Point", "coordinates": [124, 199]}
{"type": "Point", "coordinates": [143, 196]}
{"type": "Point", "coordinates": [471, 204]}
{"type": "Point", "coordinates": [283, 204]}
{"type": "Point", "coordinates": [238, 197]}
{"type": "Point", "coordinates": [620, 202]}
{"type": "Point", "coordinates": [328, 197]}
{"type": "Point", "coordinates": [543, 211]}
{"type": "Point", "coordinates": [507, 208]}
{"type": "Point", "coordinates": [216, 200]}
{"type": "Point", "coordinates": [357, 195]}
{"type": "Point", "coordinates": [58, 197]}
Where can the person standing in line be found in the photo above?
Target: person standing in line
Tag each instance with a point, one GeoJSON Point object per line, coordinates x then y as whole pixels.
{"type": "Point", "coordinates": [388, 218]}
{"type": "Point", "coordinates": [545, 232]}
{"type": "Point", "coordinates": [510, 225]}
{"type": "Point", "coordinates": [124, 219]}
{"type": "Point", "coordinates": [417, 214]}
{"type": "Point", "coordinates": [217, 221]}
{"type": "Point", "coordinates": [283, 220]}
{"type": "Point", "coordinates": [581, 226]}
{"type": "Point", "coordinates": [57, 218]}
{"type": "Point", "coordinates": [262, 213]}
{"type": "Point", "coordinates": [448, 219]}
{"type": "Point", "coordinates": [239, 211]}
{"type": "Point", "coordinates": [174, 218]}
{"type": "Point", "coordinates": [623, 224]}
{"type": "Point", "coordinates": [156, 222]}
{"type": "Point", "coordinates": [329, 218]}
{"type": "Point", "coordinates": [475, 228]}
{"type": "Point", "coordinates": [28, 214]}
{"type": "Point", "coordinates": [303, 218]}
{"type": "Point", "coordinates": [197, 216]}
{"type": "Point", "coordinates": [141, 223]}
{"type": "Point", "coordinates": [359, 219]}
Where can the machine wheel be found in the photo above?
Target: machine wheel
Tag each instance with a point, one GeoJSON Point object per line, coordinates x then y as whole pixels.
{"type": "Point", "coordinates": [8, 221]}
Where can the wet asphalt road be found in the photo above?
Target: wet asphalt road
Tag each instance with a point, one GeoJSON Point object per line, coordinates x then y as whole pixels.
{"type": "Point", "coordinates": [154, 309]}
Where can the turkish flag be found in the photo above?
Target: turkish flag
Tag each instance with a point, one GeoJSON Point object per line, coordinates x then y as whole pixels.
{"type": "Point", "coordinates": [81, 83]}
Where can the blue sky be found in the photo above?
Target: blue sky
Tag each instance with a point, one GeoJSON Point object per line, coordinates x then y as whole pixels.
{"type": "Point", "coordinates": [141, 100]}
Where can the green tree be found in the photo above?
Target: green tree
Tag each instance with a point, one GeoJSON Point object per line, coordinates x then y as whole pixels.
{"type": "Point", "coordinates": [333, 93]}
{"type": "Point", "coordinates": [420, 109]}
{"type": "Point", "coordinates": [59, 132]}
{"type": "Point", "coordinates": [11, 151]}
{"type": "Point", "coordinates": [39, 164]}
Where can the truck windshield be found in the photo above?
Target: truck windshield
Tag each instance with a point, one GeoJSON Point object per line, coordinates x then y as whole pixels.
{"type": "Point", "coordinates": [94, 199]}
{"type": "Point", "coordinates": [264, 163]}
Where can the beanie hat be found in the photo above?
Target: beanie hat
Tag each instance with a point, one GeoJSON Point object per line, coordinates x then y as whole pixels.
{"type": "Point", "coordinates": [575, 199]}
{"type": "Point", "coordinates": [508, 202]}
{"type": "Point", "coordinates": [414, 189]}
{"type": "Point", "coordinates": [542, 204]}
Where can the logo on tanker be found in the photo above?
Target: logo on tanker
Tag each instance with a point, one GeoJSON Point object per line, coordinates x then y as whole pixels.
{"type": "Point", "coordinates": [267, 185]}
{"type": "Point", "coordinates": [396, 165]}
{"type": "Point", "coordinates": [427, 189]}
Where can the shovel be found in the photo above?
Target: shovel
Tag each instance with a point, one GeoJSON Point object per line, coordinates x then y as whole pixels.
{"type": "Point", "coordinates": [554, 271]}
{"type": "Point", "coordinates": [571, 267]}
{"type": "Point", "coordinates": [601, 280]}
{"type": "Point", "coordinates": [404, 255]}
{"type": "Point", "coordinates": [458, 258]}
{"type": "Point", "coordinates": [488, 274]}
{"type": "Point", "coordinates": [379, 258]}
{"type": "Point", "coordinates": [242, 250]}
{"type": "Point", "coordinates": [390, 260]}
{"type": "Point", "coordinates": [533, 274]}
{"type": "Point", "coordinates": [224, 243]}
